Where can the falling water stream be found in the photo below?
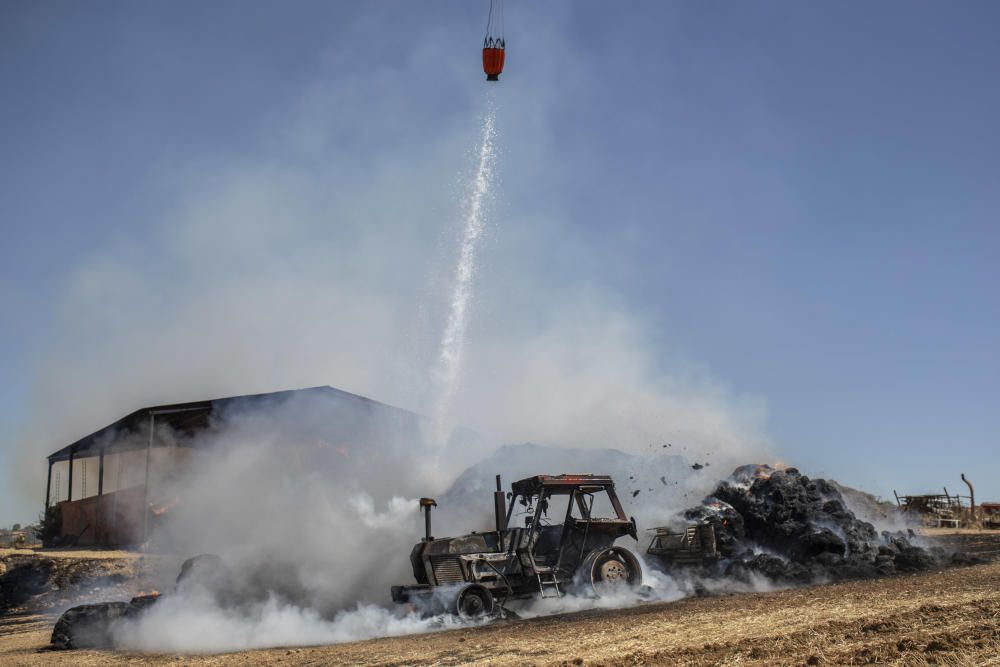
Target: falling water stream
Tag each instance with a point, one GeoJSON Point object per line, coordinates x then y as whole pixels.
{"type": "Point", "coordinates": [448, 365]}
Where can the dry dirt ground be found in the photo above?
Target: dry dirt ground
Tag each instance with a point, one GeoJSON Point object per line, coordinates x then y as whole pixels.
{"type": "Point", "coordinates": [947, 617]}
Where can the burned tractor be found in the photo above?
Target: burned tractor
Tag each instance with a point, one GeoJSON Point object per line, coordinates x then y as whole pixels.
{"type": "Point", "coordinates": [566, 544]}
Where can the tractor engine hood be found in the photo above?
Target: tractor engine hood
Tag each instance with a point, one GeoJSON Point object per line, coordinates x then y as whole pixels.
{"type": "Point", "coordinates": [473, 543]}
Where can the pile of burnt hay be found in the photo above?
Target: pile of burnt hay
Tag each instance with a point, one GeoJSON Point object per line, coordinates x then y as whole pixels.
{"type": "Point", "coordinates": [793, 529]}
{"type": "Point", "coordinates": [94, 625]}
{"type": "Point", "coordinates": [36, 582]}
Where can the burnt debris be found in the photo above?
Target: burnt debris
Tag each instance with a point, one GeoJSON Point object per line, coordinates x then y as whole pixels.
{"type": "Point", "coordinates": [38, 582]}
{"type": "Point", "coordinates": [791, 529]}
{"type": "Point", "coordinates": [93, 625]}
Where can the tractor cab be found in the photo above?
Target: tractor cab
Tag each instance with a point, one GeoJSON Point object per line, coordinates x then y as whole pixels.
{"type": "Point", "coordinates": [551, 517]}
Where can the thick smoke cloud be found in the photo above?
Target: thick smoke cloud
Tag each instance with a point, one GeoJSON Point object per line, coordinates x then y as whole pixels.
{"type": "Point", "coordinates": [313, 509]}
{"type": "Point", "coordinates": [311, 504]}
{"type": "Point", "coordinates": [289, 266]}
{"type": "Point", "coordinates": [322, 252]}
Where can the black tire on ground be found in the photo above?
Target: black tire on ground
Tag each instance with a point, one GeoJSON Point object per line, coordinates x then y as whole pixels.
{"type": "Point", "coordinates": [474, 601]}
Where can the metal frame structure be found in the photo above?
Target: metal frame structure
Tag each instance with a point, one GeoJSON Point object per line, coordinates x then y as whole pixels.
{"type": "Point", "coordinates": [137, 431]}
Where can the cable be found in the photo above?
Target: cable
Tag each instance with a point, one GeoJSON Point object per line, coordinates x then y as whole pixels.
{"type": "Point", "coordinates": [495, 25]}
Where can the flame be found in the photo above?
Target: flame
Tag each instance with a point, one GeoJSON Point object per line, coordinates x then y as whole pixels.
{"type": "Point", "coordinates": [152, 593]}
{"type": "Point", "coordinates": [746, 475]}
{"type": "Point", "coordinates": [160, 510]}
{"type": "Point", "coordinates": [753, 471]}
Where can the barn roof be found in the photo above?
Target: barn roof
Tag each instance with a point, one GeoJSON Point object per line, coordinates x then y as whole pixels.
{"type": "Point", "coordinates": [189, 418]}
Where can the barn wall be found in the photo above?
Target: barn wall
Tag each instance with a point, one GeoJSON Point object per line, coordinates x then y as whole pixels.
{"type": "Point", "coordinates": [60, 482]}
{"type": "Point", "coordinates": [86, 472]}
{"type": "Point", "coordinates": [114, 519]}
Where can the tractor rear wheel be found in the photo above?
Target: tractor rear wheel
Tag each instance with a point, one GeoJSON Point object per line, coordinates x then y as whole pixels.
{"type": "Point", "coordinates": [610, 571]}
{"type": "Point", "coordinates": [474, 602]}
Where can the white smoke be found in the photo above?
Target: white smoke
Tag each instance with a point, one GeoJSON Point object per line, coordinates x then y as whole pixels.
{"type": "Point", "coordinates": [283, 270]}
{"type": "Point", "coordinates": [314, 512]}
{"type": "Point", "coordinates": [196, 624]}
{"type": "Point", "coordinates": [312, 507]}
{"type": "Point", "coordinates": [280, 272]}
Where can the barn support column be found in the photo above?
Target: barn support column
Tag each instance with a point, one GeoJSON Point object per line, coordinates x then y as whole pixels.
{"type": "Point", "coordinates": [145, 486]}
{"type": "Point", "coordinates": [98, 518]}
{"type": "Point", "coordinates": [100, 474]}
{"type": "Point", "coordinates": [48, 487]}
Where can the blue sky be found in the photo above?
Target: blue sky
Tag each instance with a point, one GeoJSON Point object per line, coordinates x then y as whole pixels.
{"type": "Point", "coordinates": [796, 201]}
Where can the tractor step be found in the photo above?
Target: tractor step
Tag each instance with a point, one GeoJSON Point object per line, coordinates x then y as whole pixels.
{"type": "Point", "coordinates": [547, 581]}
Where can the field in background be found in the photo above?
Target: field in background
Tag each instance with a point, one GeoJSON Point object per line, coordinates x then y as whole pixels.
{"type": "Point", "coordinates": [948, 617]}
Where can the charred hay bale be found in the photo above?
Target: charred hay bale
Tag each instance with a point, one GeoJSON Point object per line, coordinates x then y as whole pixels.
{"type": "Point", "coordinates": [960, 558]}
{"type": "Point", "coordinates": [822, 541]}
{"type": "Point", "coordinates": [807, 521]}
{"type": "Point", "coordinates": [728, 524]}
{"type": "Point", "coordinates": [789, 528]}
{"type": "Point", "coordinates": [796, 515]}
{"type": "Point", "coordinates": [88, 626]}
{"type": "Point", "coordinates": [774, 568]}
{"type": "Point", "coordinates": [909, 558]}
{"type": "Point", "coordinates": [93, 625]}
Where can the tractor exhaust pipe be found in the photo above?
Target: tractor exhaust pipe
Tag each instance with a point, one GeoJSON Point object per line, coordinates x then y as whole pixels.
{"type": "Point", "coordinates": [500, 506]}
{"type": "Point", "coordinates": [427, 504]}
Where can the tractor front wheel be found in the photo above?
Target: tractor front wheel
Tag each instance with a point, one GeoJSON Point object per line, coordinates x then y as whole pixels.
{"type": "Point", "coordinates": [474, 602]}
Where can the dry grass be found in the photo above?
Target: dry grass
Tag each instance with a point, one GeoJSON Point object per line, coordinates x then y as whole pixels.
{"type": "Point", "coordinates": [72, 552]}
{"type": "Point", "coordinates": [946, 532]}
{"type": "Point", "coordinates": [950, 617]}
